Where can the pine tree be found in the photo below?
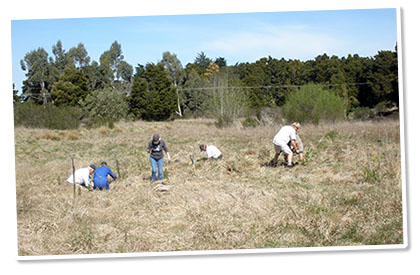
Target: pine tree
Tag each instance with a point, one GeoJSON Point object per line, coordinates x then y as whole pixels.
{"type": "Point", "coordinates": [153, 97]}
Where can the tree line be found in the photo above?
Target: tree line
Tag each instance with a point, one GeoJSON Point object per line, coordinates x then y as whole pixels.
{"type": "Point", "coordinates": [114, 89]}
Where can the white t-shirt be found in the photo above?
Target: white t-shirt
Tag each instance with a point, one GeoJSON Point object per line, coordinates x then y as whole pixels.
{"type": "Point", "coordinates": [212, 152]}
{"type": "Point", "coordinates": [285, 134]}
{"type": "Point", "coordinates": [81, 175]}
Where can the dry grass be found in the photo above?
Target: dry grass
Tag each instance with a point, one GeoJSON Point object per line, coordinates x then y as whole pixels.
{"type": "Point", "coordinates": [347, 193]}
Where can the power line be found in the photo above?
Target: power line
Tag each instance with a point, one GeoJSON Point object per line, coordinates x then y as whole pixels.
{"type": "Point", "coordinates": [278, 86]}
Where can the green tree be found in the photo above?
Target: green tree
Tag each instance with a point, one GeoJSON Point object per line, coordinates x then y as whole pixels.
{"type": "Point", "coordinates": [256, 75]}
{"type": "Point", "coordinates": [385, 78]}
{"type": "Point", "coordinates": [71, 88]}
{"type": "Point", "coordinates": [192, 96]}
{"type": "Point", "coordinates": [111, 59]}
{"type": "Point", "coordinates": [153, 97]}
{"type": "Point", "coordinates": [79, 56]}
{"type": "Point", "coordinates": [40, 76]}
{"type": "Point", "coordinates": [16, 97]}
{"type": "Point", "coordinates": [125, 73]}
{"type": "Point", "coordinates": [201, 62]}
{"type": "Point", "coordinates": [61, 58]}
{"type": "Point", "coordinates": [221, 62]}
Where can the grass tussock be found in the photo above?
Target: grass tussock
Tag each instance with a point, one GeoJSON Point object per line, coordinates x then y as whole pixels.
{"type": "Point", "coordinates": [348, 191]}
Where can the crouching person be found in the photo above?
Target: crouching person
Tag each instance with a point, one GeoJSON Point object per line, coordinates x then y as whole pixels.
{"type": "Point", "coordinates": [83, 177]}
{"type": "Point", "coordinates": [100, 177]}
{"type": "Point", "coordinates": [211, 151]}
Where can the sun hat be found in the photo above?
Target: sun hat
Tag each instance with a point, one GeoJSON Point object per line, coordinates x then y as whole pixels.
{"type": "Point", "coordinates": [296, 124]}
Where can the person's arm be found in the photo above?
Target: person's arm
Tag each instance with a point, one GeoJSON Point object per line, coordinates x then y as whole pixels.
{"type": "Point", "coordinates": [166, 150]}
{"type": "Point", "coordinates": [300, 147]}
{"type": "Point", "coordinates": [295, 146]}
{"type": "Point", "coordinates": [149, 147]}
{"type": "Point", "coordinates": [112, 174]}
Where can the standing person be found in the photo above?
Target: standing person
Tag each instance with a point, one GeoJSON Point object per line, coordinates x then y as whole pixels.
{"type": "Point", "coordinates": [100, 177]}
{"type": "Point", "coordinates": [83, 176]}
{"type": "Point", "coordinates": [211, 151]}
{"type": "Point", "coordinates": [286, 134]}
{"type": "Point", "coordinates": [155, 148]}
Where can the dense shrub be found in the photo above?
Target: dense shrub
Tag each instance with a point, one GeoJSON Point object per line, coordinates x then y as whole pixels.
{"type": "Point", "coordinates": [312, 103]}
{"type": "Point", "coordinates": [362, 113]}
{"type": "Point", "coordinates": [250, 121]}
{"type": "Point", "coordinates": [46, 116]}
{"type": "Point", "coordinates": [104, 107]}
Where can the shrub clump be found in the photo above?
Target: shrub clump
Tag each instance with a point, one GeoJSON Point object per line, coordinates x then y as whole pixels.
{"type": "Point", "coordinates": [48, 116]}
{"type": "Point", "coordinates": [362, 113]}
{"type": "Point", "coordinates": [312, 103]}
{"type": "Point", "coordinates": [104, 107]}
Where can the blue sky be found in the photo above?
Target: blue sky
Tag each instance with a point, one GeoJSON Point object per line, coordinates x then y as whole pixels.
{"type": "Point", "coordinates": [242, 37]}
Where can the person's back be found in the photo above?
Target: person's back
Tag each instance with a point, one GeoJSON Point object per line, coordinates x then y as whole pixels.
{"type": "Point", "coordinates": [213, 152]}
{"type": "Point", "coordinates": [100, 178]}
{"type": "Point", "coordinates": [82, 176]}
{"type": "Point", "coordinates": [285, 134]}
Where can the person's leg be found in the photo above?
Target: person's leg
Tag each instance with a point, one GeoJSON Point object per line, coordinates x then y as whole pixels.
{"type": "Point", "coordinates": [276, 157]}
{"type": "Point", "coordinates": [289, 159]}
{"type": "Point", "coordinates": [288, 154]}
{"type": "Point", "coordinates": [160, 169]}
{"type": "Point", "coordinates": [153, 163]}
{"type": "Point", "coordinates": [277, 149]}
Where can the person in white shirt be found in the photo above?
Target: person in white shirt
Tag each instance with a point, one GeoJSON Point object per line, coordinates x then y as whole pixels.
{"type": "Point", "coordinates": [83, 176]}
{"type": "Point", "coordinates": [281, 140]}
{"type": "Point", "coordinates": [211, 151]}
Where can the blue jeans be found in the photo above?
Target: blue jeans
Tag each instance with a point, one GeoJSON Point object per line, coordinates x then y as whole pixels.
{"type": "Point", "coordinates": [159, 165]}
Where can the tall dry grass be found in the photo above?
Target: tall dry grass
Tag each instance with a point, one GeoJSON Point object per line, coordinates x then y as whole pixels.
{"type": "Point", "coordinates": [347, 193]}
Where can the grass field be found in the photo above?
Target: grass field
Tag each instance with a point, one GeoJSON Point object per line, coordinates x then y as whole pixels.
{"type": "Point", "coordinates": [347, 193]}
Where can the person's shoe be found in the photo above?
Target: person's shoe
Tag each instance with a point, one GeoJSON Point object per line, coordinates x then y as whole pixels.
{"type": "Point", "coordinates": [289, 165]}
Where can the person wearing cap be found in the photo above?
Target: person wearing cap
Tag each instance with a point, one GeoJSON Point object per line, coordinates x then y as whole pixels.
{"type": "Point", "coordinates": [285, 135]}
{"type": "Point", "coordinates": [100, 177]}
{"type": "Point", "coordinates": [155, 148]}
{"type": "Point", "coordinates": [211, 151]}
{"type": "Point", "coordinates": [83, 176]}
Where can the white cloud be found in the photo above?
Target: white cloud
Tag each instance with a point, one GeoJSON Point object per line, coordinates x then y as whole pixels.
{"type": "Point", "coordinates": [294, 42]}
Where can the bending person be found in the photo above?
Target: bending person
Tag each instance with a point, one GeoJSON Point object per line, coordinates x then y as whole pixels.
{"type": "Point", "coordinates": [286, 134]}
{"type": "Point", "coordinates": [100, 177]}
{"type": "Point", "coordinates": [83, 176]}
{"type": "Point", "coordinates": [211, 151]}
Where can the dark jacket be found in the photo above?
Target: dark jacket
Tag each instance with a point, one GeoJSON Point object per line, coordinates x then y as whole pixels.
{"type": "Point", "coordinates": [156, 150]}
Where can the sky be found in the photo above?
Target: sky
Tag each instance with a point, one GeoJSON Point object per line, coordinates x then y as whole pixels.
{"type": "Point", "coordinates": [237, 37]}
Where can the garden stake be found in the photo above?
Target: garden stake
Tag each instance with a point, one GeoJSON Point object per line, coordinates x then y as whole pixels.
{"type": "Point", "coordinates": [116, 163]}
{"type": "Point", "coordinates": [74, 177]}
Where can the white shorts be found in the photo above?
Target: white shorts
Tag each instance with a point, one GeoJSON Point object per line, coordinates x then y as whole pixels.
{"type": "Point", "coordinates": [282, 148]}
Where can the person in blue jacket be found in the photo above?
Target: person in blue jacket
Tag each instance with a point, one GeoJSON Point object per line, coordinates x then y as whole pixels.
{"type": "Point", "coordinates": [100, 177]}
